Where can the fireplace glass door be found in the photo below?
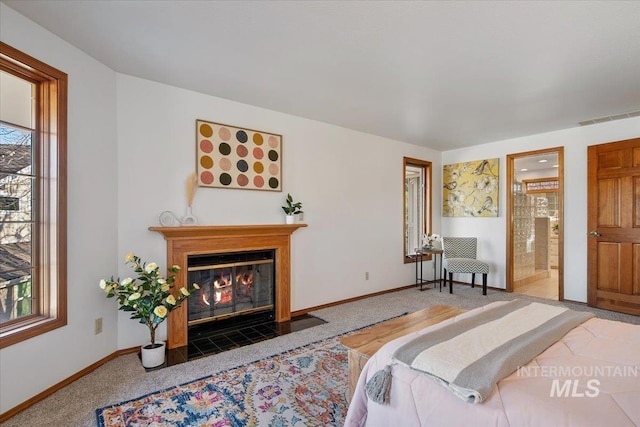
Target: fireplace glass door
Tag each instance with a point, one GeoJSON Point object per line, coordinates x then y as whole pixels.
{"type": "Point", "coordinates": [232, 284]}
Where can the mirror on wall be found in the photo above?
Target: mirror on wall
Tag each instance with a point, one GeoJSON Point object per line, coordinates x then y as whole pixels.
{"type": "Point", "coordinates": [417, 204]}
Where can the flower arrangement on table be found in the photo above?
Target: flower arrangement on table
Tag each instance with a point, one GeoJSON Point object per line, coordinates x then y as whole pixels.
{"type": "Point", "coordinates": [429, 240]}
{"type": "Point", "coordinates": [148, 297]}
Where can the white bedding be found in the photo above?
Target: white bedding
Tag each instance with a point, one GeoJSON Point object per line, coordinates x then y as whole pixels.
{"type": "Point", "coordinates": [588, 378]}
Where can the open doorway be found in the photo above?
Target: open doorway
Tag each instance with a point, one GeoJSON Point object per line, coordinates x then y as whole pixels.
{"type": "Point", "coordinates": [534, 223]}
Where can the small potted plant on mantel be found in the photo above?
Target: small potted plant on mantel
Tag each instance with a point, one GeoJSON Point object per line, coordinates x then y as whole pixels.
{"type": "Point", "coordinates": [291, 209]}
{"type": "Point", "coordinates": [149, 299]}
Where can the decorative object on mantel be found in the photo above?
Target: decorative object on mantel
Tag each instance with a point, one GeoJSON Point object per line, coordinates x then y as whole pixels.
{"type": "Point", "coordinates": [169, 219]}
{"type": "Point", "coordinates": [241, 158]}
{"type": "Point", "coordinates": [431, 241]}
{"type": "Point", "coordinates": [471, 188]}
{"type": "Point", "coordinates": [149, 299]}
{"type": "Point", "coordinates": [291, 210]}
{"type": "Point", "coordinates": [192, 186]}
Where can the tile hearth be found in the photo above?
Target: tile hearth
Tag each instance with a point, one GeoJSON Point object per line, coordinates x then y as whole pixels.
{"type": "Point", "coordinates": [205, 343]}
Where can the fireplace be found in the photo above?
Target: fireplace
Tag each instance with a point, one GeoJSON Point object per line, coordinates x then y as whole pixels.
{"type": "Point", "coordinates": [202, 244]}
{"type": "Point", "coordinates": [232, 284]}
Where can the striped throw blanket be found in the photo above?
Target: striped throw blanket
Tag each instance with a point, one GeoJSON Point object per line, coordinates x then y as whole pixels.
{"type": "Point", "coordinates": [471, 355]}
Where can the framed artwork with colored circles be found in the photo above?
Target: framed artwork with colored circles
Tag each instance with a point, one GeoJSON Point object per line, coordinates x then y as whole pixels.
{"type": "Point", "coordinates": [234, 157]}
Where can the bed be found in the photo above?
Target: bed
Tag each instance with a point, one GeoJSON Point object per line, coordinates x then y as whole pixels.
{"type": "Point", "coordinates": [588, 377]}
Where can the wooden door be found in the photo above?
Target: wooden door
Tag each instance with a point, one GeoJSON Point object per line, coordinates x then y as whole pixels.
{"type": "Point", "coordinates": [613, 260]}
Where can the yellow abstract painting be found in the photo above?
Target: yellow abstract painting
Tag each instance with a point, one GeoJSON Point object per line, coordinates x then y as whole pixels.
{"type": "Point", "coordinates": [471, 188]}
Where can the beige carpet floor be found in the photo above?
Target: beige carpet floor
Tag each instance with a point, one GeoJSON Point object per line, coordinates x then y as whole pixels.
{"type": "Point", "coordinates": [124, 378]}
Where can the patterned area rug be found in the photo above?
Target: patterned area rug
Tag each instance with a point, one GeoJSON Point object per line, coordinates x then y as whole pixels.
{"type": "Point", "coordinates": [306, 386]}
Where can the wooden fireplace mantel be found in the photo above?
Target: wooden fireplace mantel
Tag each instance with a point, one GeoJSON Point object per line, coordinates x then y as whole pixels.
{"type": "Point", "coordinates": [196, 240]}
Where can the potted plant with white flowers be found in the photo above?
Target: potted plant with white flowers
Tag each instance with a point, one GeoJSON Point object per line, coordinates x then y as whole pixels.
{"type": "Point", "coordinates": [149, 299]}
{"type": "Point", "coordinates": [431, 241]}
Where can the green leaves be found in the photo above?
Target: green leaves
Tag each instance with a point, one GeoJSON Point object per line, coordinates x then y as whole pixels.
{"type": "Point", "coordinates": [292, 208]}
{"type": "Point", "coordinates": [150, 290]}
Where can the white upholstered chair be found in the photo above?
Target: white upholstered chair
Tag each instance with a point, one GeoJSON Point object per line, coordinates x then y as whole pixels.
{"type": "Point", "coordinates": [459, 256]}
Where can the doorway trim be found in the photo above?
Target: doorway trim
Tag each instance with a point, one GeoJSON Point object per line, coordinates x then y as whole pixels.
{"type": "Point", "coordinates": [510, 191]}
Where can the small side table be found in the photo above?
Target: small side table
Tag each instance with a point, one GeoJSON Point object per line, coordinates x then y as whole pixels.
{"type": "Point", "coordinates": [437, 272]}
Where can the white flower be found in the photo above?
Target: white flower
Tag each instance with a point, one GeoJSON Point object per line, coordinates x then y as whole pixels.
{"type": "Point", "coordinates": [430, 238]}
{"type": "Point", "coordinates": [468, 211]}
{"type": "Point", "coordinates": [151, 267]}
{"type": "Point", "coordinates": [487, 184]}
{"type": "Point", "coordinates": [148, 296]}
{"type": "Point", "coordinates": [160, 311]}
{"type": "Point", "coordinates": [456, 198]}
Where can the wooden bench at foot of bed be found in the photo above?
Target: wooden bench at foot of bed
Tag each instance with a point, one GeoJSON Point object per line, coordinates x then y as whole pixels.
{"type": "Point", "coordinates": [362, 345]}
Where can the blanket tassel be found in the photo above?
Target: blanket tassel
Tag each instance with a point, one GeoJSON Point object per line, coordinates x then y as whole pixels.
{"type": "Point", "coordinates": [379, 385]}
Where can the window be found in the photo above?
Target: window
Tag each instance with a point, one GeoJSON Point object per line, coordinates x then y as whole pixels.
{"type": "Point", "coordinates": [540, 185]}
{"type": "Point", "coordinates": [33, 98]}
{"type": "Point", "coordinates": [9, 203]}
{"type": "Point", "coordinates": [417, 204]}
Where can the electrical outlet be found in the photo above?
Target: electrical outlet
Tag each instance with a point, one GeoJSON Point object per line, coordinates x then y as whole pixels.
{"type": "Point", "coordinates": [98, 326]}
{"type": "Point", "coordinates": [366, 275]}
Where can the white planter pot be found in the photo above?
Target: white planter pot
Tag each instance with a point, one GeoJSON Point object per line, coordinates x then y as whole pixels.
{"type": "Point", "coordinates": [152, 357]}
{"type": "Point", "coordinates": [290, 219]}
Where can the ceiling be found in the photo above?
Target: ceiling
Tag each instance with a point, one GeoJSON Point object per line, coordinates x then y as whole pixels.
{"type": "Point", "coordinates": [443, 75]}
{"type": "Point", "coordinates": [545, 164]}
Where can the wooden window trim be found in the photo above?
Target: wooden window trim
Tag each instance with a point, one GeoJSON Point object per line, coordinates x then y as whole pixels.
{"type": "Point", "coordinates": [50, 255]}
{"type": "Point", "coordinates": [540, 185]}
{"type": "Point", "coordinates": [427, 198]}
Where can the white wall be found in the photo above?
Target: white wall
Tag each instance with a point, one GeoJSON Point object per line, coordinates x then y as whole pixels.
{"type": "Point", "coordinates": [32, 366]}
{"type": "Point", "coordinates": [350, 184]}
{"type": "Point", "coordinates": [491, 232]}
